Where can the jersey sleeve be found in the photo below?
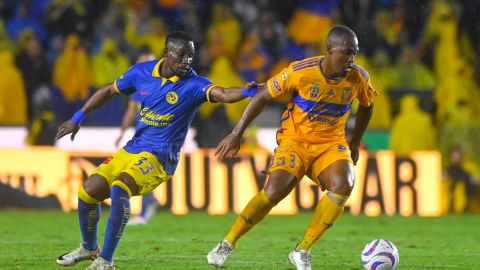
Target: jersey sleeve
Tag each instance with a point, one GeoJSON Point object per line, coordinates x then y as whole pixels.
{"type": "Point", "coordinates": [282, 83]}
{"type": "Point", "coordinates": [125, 84]}
{"type": "Point", "coordinates": [205, 86]}
{"type": "Point", "coordinates": [366, 94]}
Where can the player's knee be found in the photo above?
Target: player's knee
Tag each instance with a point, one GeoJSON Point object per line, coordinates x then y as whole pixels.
{"type": "Point", "coordinates": [86, 197]}
{"type": "Point", "coordinates": [341, 186]}
{"type": "Point", "coordinates": [96, 187]}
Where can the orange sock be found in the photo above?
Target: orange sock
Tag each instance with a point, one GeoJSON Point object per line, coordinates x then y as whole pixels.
{"type": "Point", "coordinates": [328, 210]}
{"type": "Point", "coordinates": [258, 207]}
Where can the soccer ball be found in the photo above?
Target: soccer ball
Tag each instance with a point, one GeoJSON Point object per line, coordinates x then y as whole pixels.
{"type": "Point", "coordinates": [380, 254]}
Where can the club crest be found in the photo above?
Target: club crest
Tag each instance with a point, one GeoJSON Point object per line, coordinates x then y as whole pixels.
{"type": "Point", "coordinates": [171, 97]}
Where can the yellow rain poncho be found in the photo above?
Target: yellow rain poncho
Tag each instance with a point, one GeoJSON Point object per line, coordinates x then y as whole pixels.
{"type": "Point", "coordinates": [13, 101]}
{"type": "Point", "coordinates": [71, 72]}
{"type": "Point", "coordinates": [412, 129]}
{"type": "Point", "coordinates": [109, 63]}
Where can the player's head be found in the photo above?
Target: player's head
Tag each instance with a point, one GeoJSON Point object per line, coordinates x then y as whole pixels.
{"type": "Point", "coordinates": [178, 53]}
{"type": "Point", "coordinates": [342, 46]}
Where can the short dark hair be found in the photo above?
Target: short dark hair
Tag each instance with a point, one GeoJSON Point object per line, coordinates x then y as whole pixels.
{"type": "Point", "coordinates": [178, 35]}
{"type": "Point", "coordinates": [341, 31]}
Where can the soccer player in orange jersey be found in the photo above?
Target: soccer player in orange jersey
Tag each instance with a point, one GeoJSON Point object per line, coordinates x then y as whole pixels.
{"type": "Point", "coordinates": [311, 140]}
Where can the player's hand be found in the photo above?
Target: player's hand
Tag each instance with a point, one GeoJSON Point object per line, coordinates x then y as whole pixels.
{"type": "Point", "coordinates": [354, 153]}
{"type": "Point", "coordinates": [228, 146]}
{"type": "Point", "coordinates": [65, 128]}
{"type": "Point", "coordinates": [251, 84]}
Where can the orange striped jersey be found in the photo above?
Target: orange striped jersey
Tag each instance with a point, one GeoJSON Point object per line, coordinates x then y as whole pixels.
{"type": "Point", "coordinates": [319, 108]}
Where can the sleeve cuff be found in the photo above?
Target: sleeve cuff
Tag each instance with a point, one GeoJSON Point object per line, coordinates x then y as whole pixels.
{"type": "Point", "coordinates": [208, 94]}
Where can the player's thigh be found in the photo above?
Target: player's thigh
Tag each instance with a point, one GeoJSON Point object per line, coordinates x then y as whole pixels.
{"type": "Point", "coordinates": [289, 156]}
{"type": "Point", "coordinates": [147, 172]}
{"type": "Point", "coordinates": [111, 167]}
{"type": "Point", "coordinates": [279, 184]}
{"type": "Point", "coordinates": [333, 169]}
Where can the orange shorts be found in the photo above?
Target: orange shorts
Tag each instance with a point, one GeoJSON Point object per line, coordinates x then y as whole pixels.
{"type": "Point", "coordinates": [303, 158]}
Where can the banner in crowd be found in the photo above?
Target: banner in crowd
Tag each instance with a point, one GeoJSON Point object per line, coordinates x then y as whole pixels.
{"type": "Point", "coordinates": [385, 183]}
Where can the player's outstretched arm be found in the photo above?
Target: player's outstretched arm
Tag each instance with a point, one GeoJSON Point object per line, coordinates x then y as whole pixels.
{"type": "Point", "coordinates": [234, 94]}
{"type": "Point", "coordinates": [361, 122]}
{"type": "Point", "coordinates": [231, 143]}
{"type": "Point", "coordinates": [73, 125]}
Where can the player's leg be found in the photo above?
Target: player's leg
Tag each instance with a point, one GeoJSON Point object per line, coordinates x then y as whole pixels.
{"type": "Point", "coordinates": [122, 189]}
{"type": "Point", "coordinates": [279, 184]}
{"type": "Point", "coordinates": [90, 195]}
{"type": "Point", "coordinates": [338, 179]}
{"type": "Point", "coordinates": [142, 174]}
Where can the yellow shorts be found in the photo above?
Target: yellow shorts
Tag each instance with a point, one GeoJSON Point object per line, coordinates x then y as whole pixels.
{"type": "Point", "coordinates": [302, 158]}
{"type": "Point", "coordinates": [144, 167]}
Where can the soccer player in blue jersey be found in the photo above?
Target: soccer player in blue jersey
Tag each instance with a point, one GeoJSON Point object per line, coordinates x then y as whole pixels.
{"type": "Point", "coordinates": [170, 92]}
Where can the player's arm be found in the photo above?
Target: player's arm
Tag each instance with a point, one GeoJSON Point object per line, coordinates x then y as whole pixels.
{"type": "Point", "coordinates": [73, 125]}
{"type": "Point", "coordinates": [231, 143]}
{"type": "Point", "coordinates": [127, 120]}
{"type": "Point", "coordinates": [364, 113]}
{"type": "Point", "coordinates": [234, 94]}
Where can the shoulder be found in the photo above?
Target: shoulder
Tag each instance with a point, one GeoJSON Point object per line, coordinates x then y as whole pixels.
{"type": "Point", "coordinates": [145, 66]}
{"type": "Point", "coordinates": [304, 63]}
{"type": "Point", "coordinates": [361, 72]}
{"type": "Point", "coordinates": [196, 80]}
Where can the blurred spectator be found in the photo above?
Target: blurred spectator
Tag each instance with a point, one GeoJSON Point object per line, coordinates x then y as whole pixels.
{"type": "Point", "coordinates": [461, 183]}
{"type": "Point", "coordinates": [461, 130]}
{"type": "Point", "coordinates": [412, 129]}
{"type": "Point", "coordinates": [109, 63]}
{"type": "Point", "coordinates": [71, 72]}
{"type": "Point", "coordinates": [13, 102]}
{"type": "Point", "coordinates": [5, 41]}
{"type": "Point", "coordinates": [409, 73]}
{"type": "Point", "coordinates": [111, 25]}
{"type": "Point", "coordinates": [65, 17]}
{"type": "Point", "coordinates": [153, 36]}
{"type": "Point", "coordinates": [43, 125]}
{"type": "Point", "coordinates": [224, 34]}
{"type": "Point", "coordinates": [254, 60]}
{"type": "Point", "coordinates": [34, 67]}
{"type": "Point", "coordinates": [224, 73]}
{"type": "Point", "coordinates": [22, 19]}
{"type": "Point", "coordinates": [312, 20]}
{"type": "Point", "coordinates": [380, 71]}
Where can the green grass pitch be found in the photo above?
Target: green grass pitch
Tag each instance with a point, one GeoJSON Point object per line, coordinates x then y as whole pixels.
{"type": "Point", "coordinates": [33, 240]}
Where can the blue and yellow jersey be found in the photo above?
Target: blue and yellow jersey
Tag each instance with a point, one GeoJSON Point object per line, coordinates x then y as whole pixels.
{"type": "Point", "coordinates": [319, 108]}
{"type": "Point", "coordinates": [167, 107]}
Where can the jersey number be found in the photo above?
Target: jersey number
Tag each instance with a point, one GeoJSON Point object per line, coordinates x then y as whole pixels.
{"type": "Point", "coordinates": [146, 168]}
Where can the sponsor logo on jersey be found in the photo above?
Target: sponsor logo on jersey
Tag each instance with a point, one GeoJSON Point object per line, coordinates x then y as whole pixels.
{"type": "Point", "coordinates": [314, 89]}
{"type": "Point", "coordinates": [284, 76]}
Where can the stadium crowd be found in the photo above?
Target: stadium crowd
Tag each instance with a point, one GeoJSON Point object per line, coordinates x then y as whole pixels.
{"type": "Point", "coordinates": [423, 58]}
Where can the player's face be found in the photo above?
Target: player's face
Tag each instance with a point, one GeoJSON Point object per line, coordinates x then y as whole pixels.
{"type": "Point", "coordinates": [341, 54]}
{"type": "Point", "coordinates": [179, 57]}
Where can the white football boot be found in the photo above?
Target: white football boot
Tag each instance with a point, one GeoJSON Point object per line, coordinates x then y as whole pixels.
{"type": "Point", "coordinates": [77, 255]}
{"type": "Point", "coordinates": [101, 264]}
{"type": "Point", "coordinates": [301, 259]}
{"type": "Point", "coordinates": [219, 254]}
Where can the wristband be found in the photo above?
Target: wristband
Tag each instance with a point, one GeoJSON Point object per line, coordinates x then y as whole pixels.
{"type": "Point", "coordinates": [250, 92]}
{"type": "Point", "coordinates": [77, 118]}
